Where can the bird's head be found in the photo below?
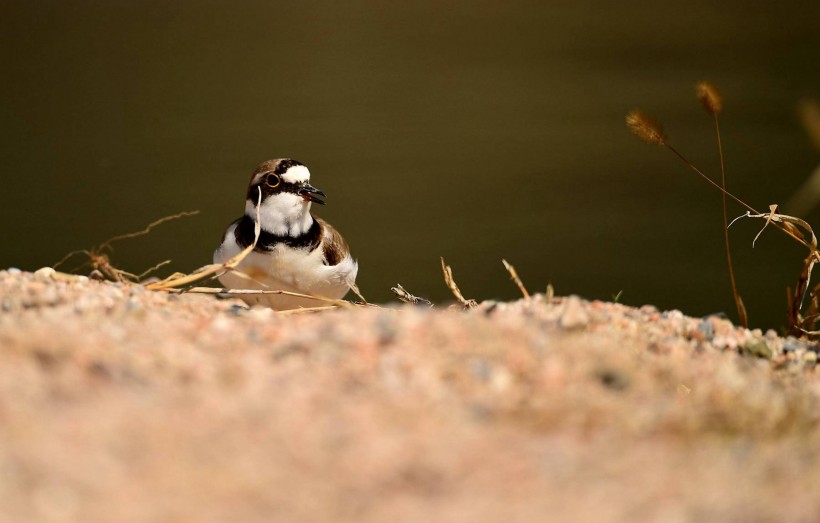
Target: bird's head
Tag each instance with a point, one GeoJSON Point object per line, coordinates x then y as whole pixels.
{"type": "Point", "coordinates": [286, 195]}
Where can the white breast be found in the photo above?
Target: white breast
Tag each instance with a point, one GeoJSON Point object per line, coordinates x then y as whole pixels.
{"type": "Point", "coordinates": [287, 269]}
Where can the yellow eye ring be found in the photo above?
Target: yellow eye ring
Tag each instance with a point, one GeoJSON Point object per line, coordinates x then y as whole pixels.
{"type": "Point", "coordinates": [272, 180]}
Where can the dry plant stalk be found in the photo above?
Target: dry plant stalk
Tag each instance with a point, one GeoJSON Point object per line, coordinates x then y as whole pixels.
{"type": "Point", "coordinates": [101, 261]}
{"type": "Point", "coordinates": [405, 296]}
{"type": "Point", "coordinates": [451, 284]}
{"type": "Point", "coordinates": [713, 103]}
{"type": "Point", "coordinates": [516, 279]}
{"type": "Point", "coordinates": [649, 131]}
{"type": "Point", "coordinates": [793, 224]}
{"type": "Point", "coordinates": [549, 295]}
{"type": "Point", "coordinates": [255, 292]}
{"type": "Point", "coordinates": [357, 292]}
{"type": "Point", "coordinates": [150, 226]}
{"type": "Point", "coordinates": [641, 126]}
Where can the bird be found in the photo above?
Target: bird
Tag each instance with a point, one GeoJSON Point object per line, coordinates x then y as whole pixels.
{"type": "Point", "coordinates": [296, 251]}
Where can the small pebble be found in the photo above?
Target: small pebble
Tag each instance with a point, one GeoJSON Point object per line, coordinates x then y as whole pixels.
{"type": "Point", "coordinates": [707, 329]}
{"type": "Point", "coordinates": [236, 310]}
{"type": "Point", "coordinates": [675, 315]}
{"type": "Point", "coordinates": [8, 305]}
{"type": "Point", "coordinates": [481, 369]}
{"type": "Point", "coordinates": [791, 344]}
{"type": "Point", "coordinates": [45, 274]}
{"type": "Point", "coordinates": [574, 316]}
{"type": "Point", "coordinates": [757, 348]}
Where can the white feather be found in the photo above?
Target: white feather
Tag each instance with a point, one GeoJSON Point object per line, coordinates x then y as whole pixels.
{"type": "Point", "coordinates": [296, 174]}
{"type": "Point", "coordinates": [287, 269]}
{"type": "Point", "coordinates": [283, 213]}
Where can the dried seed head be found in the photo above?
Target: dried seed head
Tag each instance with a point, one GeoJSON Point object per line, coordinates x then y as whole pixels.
{"type": "Point", "coordinates": [645, 128]}
{"type": "Point", "coordinates": [709, 97]}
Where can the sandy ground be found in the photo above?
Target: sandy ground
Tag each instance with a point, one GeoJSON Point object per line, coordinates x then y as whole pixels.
{"type": "Point", "coordinates": [122, 405]}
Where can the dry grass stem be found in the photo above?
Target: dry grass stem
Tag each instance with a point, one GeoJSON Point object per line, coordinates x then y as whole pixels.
{"type": "Point", "coordinates": [792, 225]}
{"type": "Point", "coordinates": [451, 284]}
{"type": "Point", "coordinates": [146, 272]}
{"type": "Point", "coordinates": [259, 292]}
{"type": "Point", "coordinates": [100, 261]}
{"type": "Point", "coordinates": [693, 167]}
{"type": "Point", "coordinates": [786, 222]}
{"type": "Point", "coordinates": [150, 226]}
{"type": "Point", "coordinates": [713, 102]}
{"type": "Point", "coordinates": [516, 279]}
{"type": "Point", "coordinates": [355, 289]}
{"type": "Point", "coordinates": [405, 296]}
{"type": "Point", "coordinates": [645, 128]}
{"type": "Point", "coordinates": [800, 293]}
{"type": "Point", "coordinates": [709, 97]}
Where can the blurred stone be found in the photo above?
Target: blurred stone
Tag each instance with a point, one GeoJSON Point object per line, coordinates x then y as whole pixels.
{"type": "Point", "coordinates": [573, 315]}
{"type": "Point", "coordinates": [45, 274]}
{"type": "Point", "coordinates": [758, 348]}
{"type": "Point", "coordinates": [791, 344]}
{"type": "Point", "coordinates": [706, 329]}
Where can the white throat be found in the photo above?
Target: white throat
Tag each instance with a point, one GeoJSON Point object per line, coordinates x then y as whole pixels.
{"type": "Point", "coordinates": [282, 214]}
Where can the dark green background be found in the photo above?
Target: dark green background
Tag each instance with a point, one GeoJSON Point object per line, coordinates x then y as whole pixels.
{"type": "Point", "coordinates": [472, 130]}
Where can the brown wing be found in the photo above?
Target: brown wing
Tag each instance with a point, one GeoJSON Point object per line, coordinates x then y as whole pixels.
{"type": "Point", "coordinates": [334, 247]}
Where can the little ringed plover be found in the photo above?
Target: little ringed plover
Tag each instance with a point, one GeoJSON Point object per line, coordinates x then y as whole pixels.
{"type": "Point", "coordinates": [296, 251]}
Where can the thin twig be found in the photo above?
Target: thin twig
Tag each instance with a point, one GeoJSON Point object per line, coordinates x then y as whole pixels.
{"type": "Point", "coordinates": [150, 226]}
{"type": "Point", "coordinates": [730, 195]}
{"type": "Point", "coordinates": [152, 269]}
{"type": "Point", "coordinates": [258, 292]}
{"type": "Point", "coordinates": [405, 296]}
{"type": "Point", "coordinates": [100, 261]}
{"type": "Point", "coordinates": [68, 257]}
{"type": "Point", "coordinates": [549, 295]}
{"type": "Point", "coordinates": [741, 309]}
{"type": "Point", "coordinates": [516, 279]}
{"type": "Point", "coordinates": [451, 284]}
{"type": "Point", "coordinates": [355, 289]}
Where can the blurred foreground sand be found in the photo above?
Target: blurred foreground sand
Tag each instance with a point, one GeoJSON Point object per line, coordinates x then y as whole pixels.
{"type": "Point", "coordinates": [119, 404]}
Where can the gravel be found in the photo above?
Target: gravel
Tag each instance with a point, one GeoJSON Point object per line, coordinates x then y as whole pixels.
{"type": "Point", "coordinates": [122, 404]}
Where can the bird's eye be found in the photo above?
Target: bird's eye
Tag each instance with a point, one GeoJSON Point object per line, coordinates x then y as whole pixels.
{"type": "Point", "coordinates": [272, 180]}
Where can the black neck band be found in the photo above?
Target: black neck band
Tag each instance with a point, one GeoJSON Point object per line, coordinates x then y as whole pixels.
{"type": "Point", "coordinates": [244, 234]}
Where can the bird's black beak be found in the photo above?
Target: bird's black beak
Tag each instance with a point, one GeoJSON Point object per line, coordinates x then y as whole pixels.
{"type": "Point", "coordinates": [309, 193]}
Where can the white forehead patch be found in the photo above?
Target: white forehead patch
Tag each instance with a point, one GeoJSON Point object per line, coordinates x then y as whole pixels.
{"type": "Point", "coordinates": [296, 174]}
